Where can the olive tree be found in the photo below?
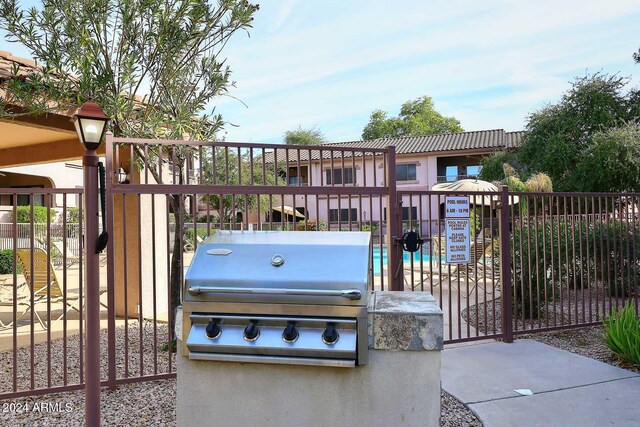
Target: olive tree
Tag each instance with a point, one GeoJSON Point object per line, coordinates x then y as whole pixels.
{"type": "Point", "coordinates": [154, 66]}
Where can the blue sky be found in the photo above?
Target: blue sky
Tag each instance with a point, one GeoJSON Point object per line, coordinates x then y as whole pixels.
{"type": "Point", "coordinates": [329, 64]}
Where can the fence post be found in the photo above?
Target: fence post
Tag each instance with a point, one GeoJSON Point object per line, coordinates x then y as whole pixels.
{"type": "Point", "coordinates": [92, 286]}
{"type": "Point", "coordinates": [111, 296]}
{"type": "Point", "coordinates": [505, 266]}
{"type": "Point", "coordinates": [394, 227]}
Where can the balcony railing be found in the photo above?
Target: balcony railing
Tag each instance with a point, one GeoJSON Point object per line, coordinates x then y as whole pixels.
{"type": "Point", "coordinates": [452, 178]}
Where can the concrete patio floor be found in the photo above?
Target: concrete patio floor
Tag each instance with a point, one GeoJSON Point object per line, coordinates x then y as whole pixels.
{"type": "Point", "coordinates": [568, 389]}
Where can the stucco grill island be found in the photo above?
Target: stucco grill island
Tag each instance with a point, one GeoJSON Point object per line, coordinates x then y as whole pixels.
{"type": "Point", "coordinates": [282, 297]}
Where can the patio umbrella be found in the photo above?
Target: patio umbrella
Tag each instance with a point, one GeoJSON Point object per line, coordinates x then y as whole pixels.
{"type": "Point", "coordinates": [288, 210]}
{"type": "Point", "coordinates": [474, 185]}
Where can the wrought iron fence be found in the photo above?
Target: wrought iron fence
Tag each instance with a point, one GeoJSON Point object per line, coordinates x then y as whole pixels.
{"type": "Point", "coordinates": [178, 192]}
{"type": "Point", "coordinates": [568, 259]}
{"type": "Point", "coordinates": [41, 296]}
{"type": "Point", "coordinates": [537, 261]}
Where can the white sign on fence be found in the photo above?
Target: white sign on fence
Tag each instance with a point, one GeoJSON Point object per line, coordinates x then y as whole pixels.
{"type": "Point", "coordinates": [456, 207]}
{"type": "Point", "coordinates": [458, 242]}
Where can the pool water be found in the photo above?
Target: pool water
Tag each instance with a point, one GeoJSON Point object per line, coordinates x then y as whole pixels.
{"type": "Point", "coordinates": [406, 256]}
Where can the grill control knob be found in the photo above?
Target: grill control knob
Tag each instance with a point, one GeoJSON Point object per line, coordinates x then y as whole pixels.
{"type": "Point", "coordinates": [330, 335]}
{"type": "Point", "coordinates": [251, 331]}
{"type": "Point", "coordinates": [290, 333]}
{"type": "Point", "coordinates": [213, 330]}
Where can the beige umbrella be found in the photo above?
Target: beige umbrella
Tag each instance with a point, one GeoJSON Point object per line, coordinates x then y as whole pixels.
{"type": "Point", "coordinates": [288, 210]}
{"type": "Point", "coordinates": [474, 185]}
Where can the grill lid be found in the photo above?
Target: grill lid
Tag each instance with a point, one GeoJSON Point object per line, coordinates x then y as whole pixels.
{"type": "Point", "coordinates": [317, 267]}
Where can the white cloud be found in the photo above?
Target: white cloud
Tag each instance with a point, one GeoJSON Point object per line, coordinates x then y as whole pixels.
{"type": "Point", "coordinates": [329, 64]}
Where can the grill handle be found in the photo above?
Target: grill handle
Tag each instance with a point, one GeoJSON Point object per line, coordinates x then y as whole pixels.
{"type": "Point", "coordinates": [354, 294]}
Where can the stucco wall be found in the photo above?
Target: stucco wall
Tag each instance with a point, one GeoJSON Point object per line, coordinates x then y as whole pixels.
{"type": "Point", "coordinates": [400, 386]}
{"type": "Point", "coordinates": [396, 388]}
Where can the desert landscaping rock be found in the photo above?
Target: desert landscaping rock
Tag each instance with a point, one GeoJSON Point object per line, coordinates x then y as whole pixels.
{"type": "Point", "coordinates": [136, 404]}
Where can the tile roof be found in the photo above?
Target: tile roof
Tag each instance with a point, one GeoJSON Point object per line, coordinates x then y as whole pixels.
{"type": "Point", "coordinates": [13, 66]}
{"type": "Point", "coordinates": [489, 140]}
{"type": "Point", "coordinates": [8, 62]}
{"type": "Point", "coordinates": [514, 139]}
{"type": "Point", "coordinates": [494, 139]}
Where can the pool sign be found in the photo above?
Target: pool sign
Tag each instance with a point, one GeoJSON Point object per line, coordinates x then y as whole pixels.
{"type": "Point", "coordinates": [456, 206]}
{"type": "Point", "coordinates": [457, 227]}
{"type": "Point", "coordinates": [457, 247]}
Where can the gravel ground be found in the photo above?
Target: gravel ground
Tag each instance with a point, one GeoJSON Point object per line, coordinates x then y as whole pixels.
{"type": "Point", "coordinates": [136, 404]}
{"type": "Point", "coordinates": [53, 361]}
{"type": "Point", "coordinates": [595, 307]}
{"type": "Point", "coordinates": [586, 342]}
{"type": "Point", "coordinates": [151, 403]}
{"type": "Point", "coordinates": [454, 413]}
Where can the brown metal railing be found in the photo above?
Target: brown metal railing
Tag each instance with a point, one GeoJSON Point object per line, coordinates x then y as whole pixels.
{"type": "Point", "coordinates": [179, 192]}
{"type": "Point", "coordinates": [575, 258]}
{"type": "Point", "coordinates": [41, 294]}
{"type": "Point", "coordinates": [568, 259]}
{"type": "Point", "coordinates": [538, 261]}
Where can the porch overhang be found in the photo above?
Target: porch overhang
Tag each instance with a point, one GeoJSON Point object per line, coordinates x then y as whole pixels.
{"type": "Point", "coordinates": [29, 140]}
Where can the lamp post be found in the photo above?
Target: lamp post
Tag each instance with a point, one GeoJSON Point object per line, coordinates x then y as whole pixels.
{"type": "Point", "coordinates": [91, 123]}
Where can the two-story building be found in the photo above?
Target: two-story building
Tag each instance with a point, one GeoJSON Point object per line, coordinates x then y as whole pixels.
{"type": "Point", "coordinates": [421, 162]}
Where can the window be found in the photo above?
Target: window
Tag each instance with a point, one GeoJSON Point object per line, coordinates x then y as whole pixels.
{"type": "Point", "coordinates": [346, 215]}
{"type": "Point", "coordinates": [473, 170]}
{"type": "Point", "coordinates": [406, 172]}
{"type": "Point", "coordinates": [451, 173]}
{"type": "Point", "coordinates": [405, 214]}
{"type": "Point", "coordinates": [337, 176]}
{"type": "Point", "coordinates": [294, 179]}
{"type": "Point", "coordinates": [25, 199]}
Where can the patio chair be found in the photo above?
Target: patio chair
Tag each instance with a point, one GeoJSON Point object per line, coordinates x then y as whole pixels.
{"type": "Point", "coordinates": [71, 256]}
{"type": "Point", "coordinates": [430, 273]}
{"type": "Point", "coordinates": [43, 284]}
{"type": "Point", "coordinates": [484, 266]}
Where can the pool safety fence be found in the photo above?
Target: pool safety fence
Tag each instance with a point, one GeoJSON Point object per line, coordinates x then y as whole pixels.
{"type": "Point", "coordinates": [537, 261]}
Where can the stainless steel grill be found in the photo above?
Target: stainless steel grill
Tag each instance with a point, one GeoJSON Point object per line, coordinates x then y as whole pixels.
{"type": "Point", "coordinates": [279, 297]}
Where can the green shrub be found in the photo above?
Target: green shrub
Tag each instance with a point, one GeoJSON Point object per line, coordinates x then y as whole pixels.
{"type": "Point", "coordinates": [527, 241]}
{"type": "Point", "coordinates": [6, 262]}
{"type": "Point", "coordinates": [23, 214]}
{"type": "Point", "coordinates": [539, 183]}
{"type": "Point", "coordinates": [372, 228]}
{"type": "Point", "coordinates": [614, 255]}
{"type": "Point", "coordinates": [547, 255]}
{"type": "Point", "coordinates": [311, 225]}
{"type": "Point", "coordinates": [475, 221]}
{"type": "Point", "coordinates": [514, 184]}
{"type": "Point", "coordinates": [202, 232]}
{"type": "Point", "coordinates": [211, 219]}
{"type": "Point", "coordinates": [622, 334]}
{"type": "Point", "coordinates": [73, 215]}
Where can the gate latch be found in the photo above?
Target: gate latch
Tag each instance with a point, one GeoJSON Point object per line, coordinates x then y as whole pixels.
{"type": "Point", "coordinates": [411, 241]}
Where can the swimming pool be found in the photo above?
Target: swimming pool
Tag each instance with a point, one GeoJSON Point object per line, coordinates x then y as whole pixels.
{"type": "Point", "coordinates": [406, 256]}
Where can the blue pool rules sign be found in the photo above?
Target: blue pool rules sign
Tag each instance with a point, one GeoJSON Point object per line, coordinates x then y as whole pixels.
{"type": "Point", "coordinates": [457, 229]}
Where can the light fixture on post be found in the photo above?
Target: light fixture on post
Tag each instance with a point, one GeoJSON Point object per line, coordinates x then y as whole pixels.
{"type": "Point", "coordinates": [91, 123]}
{"type": "Point", "coordinates": [123, 177]}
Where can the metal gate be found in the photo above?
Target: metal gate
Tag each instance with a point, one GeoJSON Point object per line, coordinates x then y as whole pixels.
{"type": "Point", "coordinates": [538, 261]}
